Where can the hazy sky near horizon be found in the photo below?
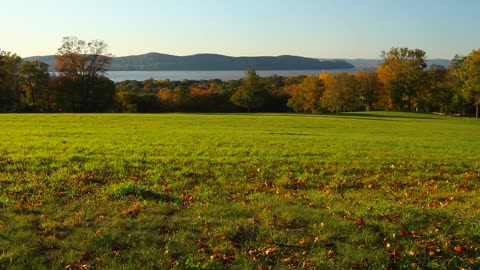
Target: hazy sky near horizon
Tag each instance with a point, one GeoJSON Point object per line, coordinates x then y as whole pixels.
{"type": "Point", "coordinates": [311, 28]}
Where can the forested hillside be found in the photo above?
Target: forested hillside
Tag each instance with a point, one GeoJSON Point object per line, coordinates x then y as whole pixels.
{"type": "Point", "coordinates": [158, 61]}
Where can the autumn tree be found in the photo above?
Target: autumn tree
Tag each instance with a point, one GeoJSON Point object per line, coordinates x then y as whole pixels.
{"type": "Point", "coordinates": [313, 89]}
{"type": "Point", "coordinates": [297, 97]}
{"type": "Point", "coordinates": [471, 87]}
{"type": "Point", "coordinates": [85, 65]}
{"type": "Point", "coordinates": [341, 93]}
{"type": "Point", "coordinates": [306, 92]}
{"type": "Point", "coordinates": [201, 100]}
{"type": "Point", "coordinates": [402, 73]}
{"type": "Point", "coordinates": [250, 93]}
{"type": "Point", "coordinates": [166, 96]}
{"type": "Point", "coordinates": [307, 95]}
{"type": "Point", "coordinates": [181, 97]}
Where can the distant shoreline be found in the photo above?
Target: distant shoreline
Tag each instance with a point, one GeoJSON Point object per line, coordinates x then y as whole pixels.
{"type": "Point", "coordinates": [224, 75]}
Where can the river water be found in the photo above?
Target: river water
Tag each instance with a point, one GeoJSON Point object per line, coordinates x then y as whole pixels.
{"type": "Point", "coordinates": [224, 75]}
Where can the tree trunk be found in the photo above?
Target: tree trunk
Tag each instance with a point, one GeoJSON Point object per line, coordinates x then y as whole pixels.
{"type": "Point", "coordinates": [34, 105]}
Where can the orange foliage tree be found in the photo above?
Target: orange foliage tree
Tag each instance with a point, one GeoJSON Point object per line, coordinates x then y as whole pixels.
{"type": "Point", "coordinates": [85, 65]}
{"type": "Point", "coordinates": [402, 73]}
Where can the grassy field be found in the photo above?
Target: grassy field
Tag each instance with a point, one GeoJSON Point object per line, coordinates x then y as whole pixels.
{"type": "Point", "coordinates": [371, 190]}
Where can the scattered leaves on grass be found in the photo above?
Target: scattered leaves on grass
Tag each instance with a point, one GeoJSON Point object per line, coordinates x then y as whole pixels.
{"type": "Point", "coordinates": [79, 267]}
{"type": "Point", "coordinates": [132, 211]}
{"type": "Point", "coordinates": [223, 257]}
{"type": "Point", "coordinates": [187, 198]}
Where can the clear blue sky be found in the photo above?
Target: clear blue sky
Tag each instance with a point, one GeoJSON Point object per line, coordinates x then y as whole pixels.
{"type": "Point", "coordinates": [312, 28]}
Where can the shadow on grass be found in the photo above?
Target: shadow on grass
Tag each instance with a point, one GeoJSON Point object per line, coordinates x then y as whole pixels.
{"type": "Point", "coordinates": [363, 115]}
{"type": "Point", "coordinates": [151, 195]}
{"type": "Point", "coordinates": [378, 116]}
{"type": "Point", "coordinates": [293, 134]}
{"type": "Point", "coordinates": [124, 191]}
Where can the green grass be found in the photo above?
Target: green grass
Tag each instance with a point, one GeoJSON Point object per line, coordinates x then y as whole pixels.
{"type": "Point", "coordinates": [376, 190]}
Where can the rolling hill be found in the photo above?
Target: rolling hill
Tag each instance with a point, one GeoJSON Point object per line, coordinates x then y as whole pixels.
{"type": "Point", "coordinates": [158, 61]}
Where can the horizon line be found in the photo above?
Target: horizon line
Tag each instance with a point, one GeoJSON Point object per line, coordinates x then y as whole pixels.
{"type": "Point", "coordinates": [210, 53]}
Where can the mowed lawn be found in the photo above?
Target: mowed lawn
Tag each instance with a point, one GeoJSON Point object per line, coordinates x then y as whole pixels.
{"type": "Point", "coordinates": [377, 190]}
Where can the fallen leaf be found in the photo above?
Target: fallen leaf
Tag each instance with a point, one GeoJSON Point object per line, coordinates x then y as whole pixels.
{"type": "Point", "coordinates": [270, 250]}
{"type": "Point", "coordinates": [359, 222]}
{"type": "Point", "coordinates": [302, 241]}
{"type": "Point", "coordinates": [459, 248]}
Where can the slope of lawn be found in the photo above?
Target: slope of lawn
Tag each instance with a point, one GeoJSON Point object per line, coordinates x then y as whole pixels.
{"type": "Point", "coordinates": [376, 190]}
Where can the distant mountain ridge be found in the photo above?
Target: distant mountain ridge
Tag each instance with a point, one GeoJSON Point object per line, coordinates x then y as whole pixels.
{"type": "Point", "coordinates": [165, 62]}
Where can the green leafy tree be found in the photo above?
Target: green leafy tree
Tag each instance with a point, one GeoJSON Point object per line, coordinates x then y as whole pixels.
{"type": "Point", "coordinates": [471, 88]}
{"type": "Point", "coordinates": [455, 80]}
{"type": "Point", "coordinates": [10, 94]}
{"type": "Point", "coordinates": [250, 93]}
{"type": "Point", "coordinates": [181, 97]}
{"type": "Point", "coordinates": [369, 88]}
{"type": "Point", "coordinates": [438, 95]}
{"type": "Point", "coordinates": [35, 79]}
{"type": "Point", "coordinates": [275, 98]}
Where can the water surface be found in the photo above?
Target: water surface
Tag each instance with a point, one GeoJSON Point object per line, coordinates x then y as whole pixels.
{"type": "Point", "coordinates": [225, 75]}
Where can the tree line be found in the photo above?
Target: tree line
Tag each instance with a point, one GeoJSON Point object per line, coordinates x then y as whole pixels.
{"type": "Point", "coordinates": [79, 83]}
{"type": "Point", "coordinates": [403, 82]}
